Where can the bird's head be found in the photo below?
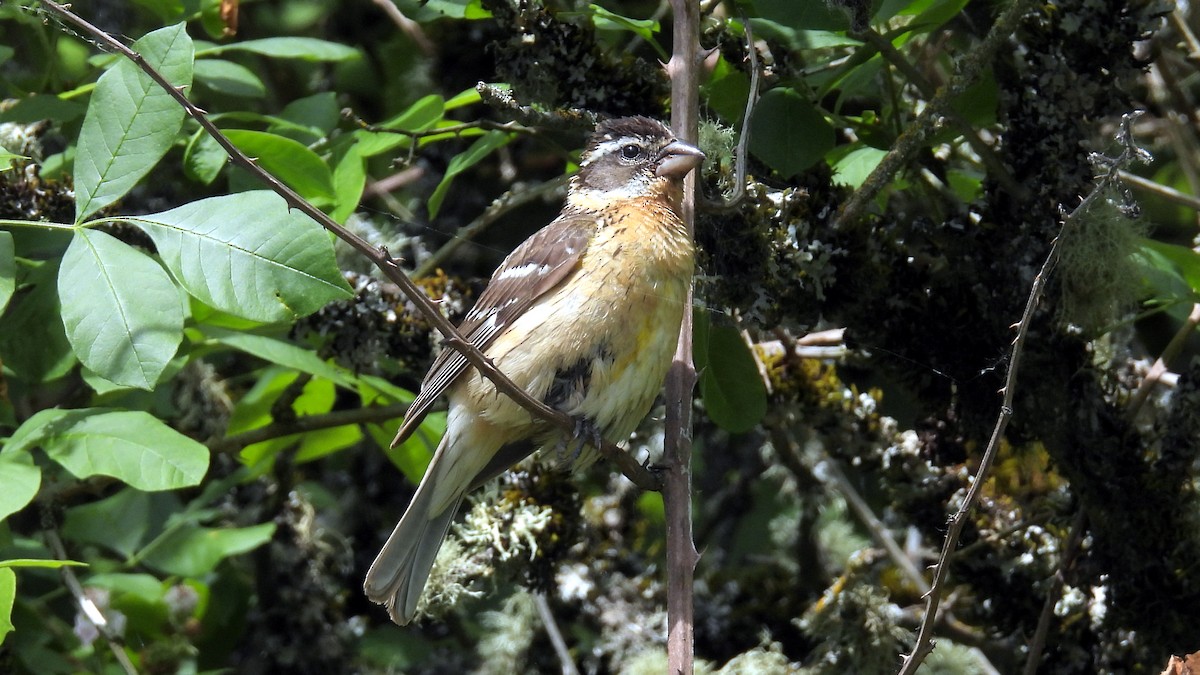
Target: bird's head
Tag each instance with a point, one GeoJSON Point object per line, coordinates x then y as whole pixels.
{"type": "Point", "coordinates": [631, 158]}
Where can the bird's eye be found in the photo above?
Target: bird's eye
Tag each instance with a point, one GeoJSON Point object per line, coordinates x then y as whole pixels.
{"type": "Point", "coordinates": [631, 151]}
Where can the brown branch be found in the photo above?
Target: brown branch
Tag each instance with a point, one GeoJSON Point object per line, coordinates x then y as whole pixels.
{"type": "Point", "coordinates": [283, 427]}
{"type": "Point", "coordinates": [972, 64]}
{"type": "Point", "coordinates": [987, 155]}
{"type": "Point", "coordinates": [1160, 364]}
{"type": "Point", "coordinates": [407, 26]}
{"type": "Point", "coordinates": [1109, 176]}
{"type": "Point", "coordinates": [1038, 642]}
{"type": "Point", "coordinates": [502, 205]}
{"type": "Point", "coordinates": [628, 465]}
{"type": "Point", "coordinates": [684, 70]}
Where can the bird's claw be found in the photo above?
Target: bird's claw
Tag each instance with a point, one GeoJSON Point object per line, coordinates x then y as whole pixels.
{"type": "Point", "coordinates": [585, 433]}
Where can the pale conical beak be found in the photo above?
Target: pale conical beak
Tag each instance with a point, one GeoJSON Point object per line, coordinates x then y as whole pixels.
{"type": "Point", "coordinates": [678, 158]}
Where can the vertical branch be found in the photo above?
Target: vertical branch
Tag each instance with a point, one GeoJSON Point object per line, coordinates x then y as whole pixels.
{"type": "Point", "coordinates": [681, 379]}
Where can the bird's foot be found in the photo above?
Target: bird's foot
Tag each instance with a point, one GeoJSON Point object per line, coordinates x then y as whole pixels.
{"type": "Point", "coordinates": [570, 448]}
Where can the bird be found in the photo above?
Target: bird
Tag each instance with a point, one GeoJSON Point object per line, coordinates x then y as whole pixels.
{"type": "Point", "coordinates": [584, 315]}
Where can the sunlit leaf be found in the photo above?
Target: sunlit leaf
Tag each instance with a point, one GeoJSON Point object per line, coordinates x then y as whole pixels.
{"type": "Point", "coordinates": [131, 122]}
{"type": "Point", "coordinates": [8, 596]}
{"type": "Point", "coordinates": [8, 269]}
{"type": "Point", "coordinates": [249, 255]}
{"type": "Point", "coordinates": [129, 445]}
{"type": "Point", "coordinates": [122, 314]}
{"type": "Point", "coordinates": [192, 551]}
{"type": "Point", "coordinates": [307, 49]}
{"type": "Point", "coordinates": [480, 149]}
{"type": "Point", "coordinates": [19, 481]}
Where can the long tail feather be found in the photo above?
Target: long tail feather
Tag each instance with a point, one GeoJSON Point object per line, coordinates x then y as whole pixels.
{"type": "Point", "coordinates": [400, 571]}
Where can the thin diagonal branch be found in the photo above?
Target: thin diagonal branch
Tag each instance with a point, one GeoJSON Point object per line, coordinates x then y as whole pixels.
{"type": "Point", "coordinates": [87, 607]}
{"type": "Point", "coordinates": [628, 465]}
{"type": "Point", "coordinates": [1110, 175]}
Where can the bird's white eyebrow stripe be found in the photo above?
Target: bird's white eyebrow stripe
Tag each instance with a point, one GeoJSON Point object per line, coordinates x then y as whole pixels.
{"type": "Point", "coordinates": [523, 271]}
{"type": "Point", "coordinates": [607, 147]}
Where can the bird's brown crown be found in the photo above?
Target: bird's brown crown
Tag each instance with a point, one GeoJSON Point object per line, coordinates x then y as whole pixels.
{"type": "Point", "coordinates": [630, 158]}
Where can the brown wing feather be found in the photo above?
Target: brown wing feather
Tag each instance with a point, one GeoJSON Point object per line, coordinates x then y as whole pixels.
{"type": "Point", "coordinates": [547, 258]}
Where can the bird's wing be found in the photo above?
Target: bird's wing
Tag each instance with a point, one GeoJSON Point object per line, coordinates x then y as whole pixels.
{"type": "Point", "coordinates": [536, 266]}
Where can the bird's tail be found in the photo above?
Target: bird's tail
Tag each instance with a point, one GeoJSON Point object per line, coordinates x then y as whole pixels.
{"type": "Point", "coordinates": [400, 571]}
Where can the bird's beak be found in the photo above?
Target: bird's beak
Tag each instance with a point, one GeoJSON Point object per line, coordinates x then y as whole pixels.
{"type": "Point", "coordinates": [678, 158]}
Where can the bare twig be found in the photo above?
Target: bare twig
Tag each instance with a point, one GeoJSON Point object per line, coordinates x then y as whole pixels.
{"type": "Point", "coordinates": [742, 151]}
{"type": "Point", "coordinates": [1159, 190]}
{"type": "Point", "coordinates": [86, 606]}
{"type": "Point", "coordinates": [1038, 642]}
{"type": "Point", "coordinates": [684, 70]}
{"type": "Point", "coordinates": [555, 635]}
{"type": "Point", "coordinates": [628, 465]}
{"type": "Point", "coordinates": [1160, 364]}
{"type": "Point", "coordinates": [971, 65]}
{"type": "Point", "coordinates": [406, 25]}
{"type": "Point", "coordinates": [1110, 175]}
{"type": "Point", "coordinates": [502, 205]}
{"type": "Point", "coordinates": [829, 471]}
{"type": "Point", "coordinates": [281, 428]}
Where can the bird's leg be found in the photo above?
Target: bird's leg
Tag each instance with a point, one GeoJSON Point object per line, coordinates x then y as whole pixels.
{"type": "Point", "coordinates": [586, 433]}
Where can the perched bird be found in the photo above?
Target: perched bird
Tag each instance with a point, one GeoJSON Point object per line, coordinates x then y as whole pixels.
{"type": "Point", "coordinates": [584, 315]}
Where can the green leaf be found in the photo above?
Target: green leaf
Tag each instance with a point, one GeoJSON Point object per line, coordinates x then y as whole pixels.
{"type": "Point", "coordinates": [726, 91]}
{"type": "Point", "coordinates": [420, 116]}
{"type": "Point", "coordinates": [32, 342]}
{"type": "Point", "coordinates": [8, 596]}
{"type": "Point", "coordinates": [349, 181]}
{"type": "Point", "coordinates": [145, 587]}
{"type": "Point", "coordinates": [854, 168]}
{"type": "Point", "coordinates": [282, 353]}
{"type": "Point", "coordinates": [812, 15]}
{"type": "Point", "coordinates": [249, 255]}
{"type": "Point", "coordinates": [129, 445]}
{"type": "Point", "coordinates": [789, 133]}
{"type": "Point", "coordinates": [131, 122]}
{"type": "Point", "coordinates": [451, 9]}
{"type": "Point", "coordinates": [308, 49]}
{"type": "Point", "coordinates": [19, 481]}
{"type": "Point", "coordinates": [935, 14]}
{"type": "Point", "coordinates": [40, 107]}
{"type": "Point", "coordinates": [287, 160]}
{"type": "Point", "coordinates": [203, 158]}
{"type": "Point", "coordinates": [1182, 261]}
{"type": "Point", "coordinates": [229, 78]}
{"type": "Point", "coordinates": [317, 115]}
{"type": "Point", "coordinates": [730, 385]}
{"type": "Point", "coordinates": [480, 149]}
{"type": "Point", "coordinates": [121, 522]}
{"type": "Point", "coordinates": [611, 21]}
{"type": "Point", "coordinates": [122, 314]}
{"type": "Point", "coordinates": [41, 563]}
{"type": "Point", "coordinates": [8, 269]}
{"type": "Point", "coordinates": [469, 96]}
{"type": "Point", "coordinates": [195, 551]}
